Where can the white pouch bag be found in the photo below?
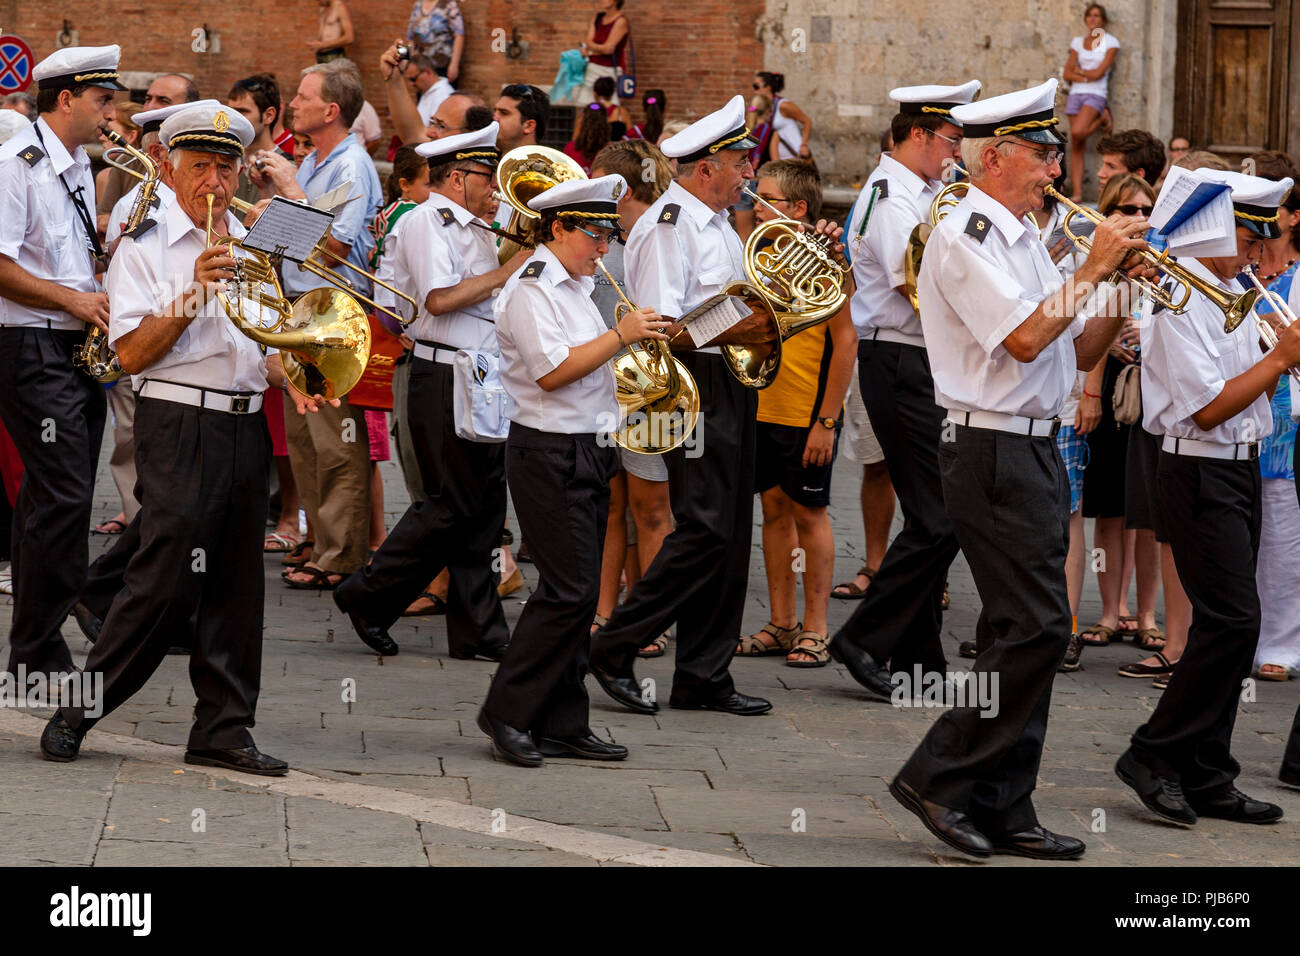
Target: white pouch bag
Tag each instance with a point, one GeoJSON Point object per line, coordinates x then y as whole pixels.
{"type": "Point", "coordinates": [479, 401]}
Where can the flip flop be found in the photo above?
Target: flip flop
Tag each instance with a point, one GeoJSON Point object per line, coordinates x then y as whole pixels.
{"type": "Point", "coordinates": [300, 555]}
{"type": "Point", "coordinates": [1127, 626]}
{"type": "Point", "coordinates": [1106, 633]}
{"type": "Point", "coordinates": [1281, 673]}
{"type": "Point", "coordinates": [279, 543]}
{"type": "Point", "coordinates": [320, 579]}
{"type": "Point", "coordinates": [111, 526]}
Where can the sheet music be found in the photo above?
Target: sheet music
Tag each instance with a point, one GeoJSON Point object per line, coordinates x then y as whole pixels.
{"type": "Point", "coordinates": [715, 318]}
{"type": "Point", "coordinates": [1195, 216]}
{"type": "Point", "coordinates": [289, 229]}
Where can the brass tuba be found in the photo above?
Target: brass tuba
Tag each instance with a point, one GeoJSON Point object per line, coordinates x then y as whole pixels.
{"type": "Point", "coordinates": [323, 337]}
{"type": "Point", "coordinates": [522, 173]}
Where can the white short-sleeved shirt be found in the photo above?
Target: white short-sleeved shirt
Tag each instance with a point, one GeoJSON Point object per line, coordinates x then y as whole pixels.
{"type": "Point", "coordinates": [542, 313]}
{"type": "Point", "coordinates": [366, 126]}
{"type": "Point", "coordinates": [973, 294]}
{"type": "Point", "coordinates": [147, 273]}
{"type": "Point", "coordinates": [40, 229]}
{"type": "Point", "coordinates": [679, 253]}
{"type": "Point", "coordinates": [902, 199]}
{"type": "Point", "coordinates": [432, 98]}
{"type": "Point", "coordinates": [1186, 361]}
{"type": "Point", "coordinates": [1090, 60]}
{"type": "Point", "coordinates": [439, 249]}
{"type": "Point", "coordinates": [122, 208]}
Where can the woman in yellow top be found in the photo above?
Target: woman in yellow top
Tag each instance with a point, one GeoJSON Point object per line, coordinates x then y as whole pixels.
{"type": "Point", "coordinates": [799, 418]}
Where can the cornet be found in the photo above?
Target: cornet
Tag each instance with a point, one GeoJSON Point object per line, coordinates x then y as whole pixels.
{"type": "Point", "coordinates": [1285, 315]}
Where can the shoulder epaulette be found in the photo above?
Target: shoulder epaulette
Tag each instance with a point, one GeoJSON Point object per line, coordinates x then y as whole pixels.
{"type": "Point", "coordinates": [978, 226]}
{"type": "Point", "coordinates": [534, 269]}
{"type": "Point", "coordinates": [671, 211]}
{"type": "Point", "coordinates": [881, 186]}
{"type": "Point", "coordinates": [448, 217]}
{"type": "Point", "coordinates": [32, 154]}
{"type": "Point", "coordinates": [140, 229]}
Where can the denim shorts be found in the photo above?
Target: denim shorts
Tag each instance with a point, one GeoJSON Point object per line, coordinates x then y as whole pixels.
{"type": "Point", "coordinates": [1077, 101]}
{"type": "Point", "coordinates": [1074, 453]}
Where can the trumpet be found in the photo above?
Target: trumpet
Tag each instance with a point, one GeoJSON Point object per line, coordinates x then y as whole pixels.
{"type": "Point", "coordinates": [1285, 315]}
{"type": "Point", "coordinates": [1235, 309]}
{"type": "Point", "coordinates": [325, 342]}
{"type": "Point", "coordinates": [650, 381]}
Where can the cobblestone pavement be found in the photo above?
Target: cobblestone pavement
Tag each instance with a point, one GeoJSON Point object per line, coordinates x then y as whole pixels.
{"type": "Point", "coordinates": [402, 776]}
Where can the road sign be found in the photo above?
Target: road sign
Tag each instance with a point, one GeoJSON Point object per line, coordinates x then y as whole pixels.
{"type": "Point", "coordinates": [16, 62]}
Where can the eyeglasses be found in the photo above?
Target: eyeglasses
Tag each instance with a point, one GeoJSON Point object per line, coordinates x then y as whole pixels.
{"type": "Point", "coordinates": [951, 141]}
{"type": "Point", "coordinates": [477, 172]}
{"type": "Point", "coordinates": [442, 127]}
{"type": "Point", "coordinates": [601, 238]}
{"type": "Point", "coordinates": [772, 198]}
{"type": "Point", "coordinates": [1046, 156]}
{"type": "Point", "coordinates": [255, 86]}
{"type": "Point", "coordinates": [1132, 209]}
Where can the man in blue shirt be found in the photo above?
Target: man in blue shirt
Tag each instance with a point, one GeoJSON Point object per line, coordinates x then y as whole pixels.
{"type": "Point", "coordinates": [330, 457]}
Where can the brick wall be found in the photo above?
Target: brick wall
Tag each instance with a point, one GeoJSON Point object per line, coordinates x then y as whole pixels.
{"type": "Point", "coordinates": [700, 54]}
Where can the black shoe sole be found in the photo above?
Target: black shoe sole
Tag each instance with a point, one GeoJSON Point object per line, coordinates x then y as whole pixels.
{"type": "Point", "coordinates": [1154, 808]}
{"type": "Point", "coordinates": [1212, 816]}
{"type": "Point", "coordinates": [722, 710]}
{"type": "Point", "coordinates": [906, 802]}
{"type": "Point", "coordinates": [211, 762]}
{"type": "Point", "coordinates": [550, 748]}
{"type": "Point", "coordinates": [1033, 855]}
{"type": "Point", "coordinates": [57, 758]}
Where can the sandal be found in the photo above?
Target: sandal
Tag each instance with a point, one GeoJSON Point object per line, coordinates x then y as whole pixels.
{"type": "Point", "coordinates": [111, 526]}
{"type": "Point", "coordinates": [751, 645]}
{"type": "Point", "coordinates": [427, 603]}
{"type": "Point", "coordinates": [1139, 669]}
{"type": "Point", "coordinates": [947, 601]}
{"type": "Point", "coordinates": [850, 590]}
{"type": "Point", "coordinates": [299, 555]}
{"type": "Point", "coordinates": [655, 648]}
{"type": "Point", "coordinates": [1151, 639]}
{"type": "Point", "coordinates": [1103, 632]}
{"type": "Point", "coordinates": [1273, 672]}
{"type": "Point", "coordinates": [1127, 625]}
{"type": "Point", "coordinates": [277, 542]}
{"type": "Point", "coordinates": [812, 644]}
{"type": "Point", "coordinates": [321, 580]}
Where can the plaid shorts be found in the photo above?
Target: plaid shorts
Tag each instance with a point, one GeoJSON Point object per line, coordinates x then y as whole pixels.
{"type": "Point", "coordinates": [1074, 452]}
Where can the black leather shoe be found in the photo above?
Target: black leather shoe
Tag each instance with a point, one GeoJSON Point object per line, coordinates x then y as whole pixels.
{"type": "Point", "coordinates": [953, 827]}
{"type": "Point", "coordinates": [510, 744]}
{"type": "Point", "coordinates": [89, 622]}
{"type": "Point", "coordinates": [375, 637]}
{"type": "Point", "coordinates": [1239, 808]}
{"type": "Point", "coordinates": [736, 703]}
{"type": "Point", "coordinates": [968, 650]}
{"type": "Point", "coordinates": [493, 654]}
{"type": "Point", "coordinates": [244, 759]}
{"type": "Point", "coordinates": [588, 747]}
{"type": "Point", "coordinates": [1163, 796]}
{"type": "Point", "coordinates": [1289, 777]}
{"type": "Point", "coordinates": [862, 667]}
{"type": "Point", "coordinates": [1039, 843]}
{"type": "Point", "coordinates": [59, 742]}
{"type": "Point", "coordinates": [623, 690]}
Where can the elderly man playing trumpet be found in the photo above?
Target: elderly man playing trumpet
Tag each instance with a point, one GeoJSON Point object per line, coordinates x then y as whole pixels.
{"type": "Point", "coordinates": [202, 453]}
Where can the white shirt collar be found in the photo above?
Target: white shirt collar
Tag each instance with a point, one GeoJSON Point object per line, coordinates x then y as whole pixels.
{"type": "Point", "coordinates": [897, 172]}
{"type": "Point", "coordinates": [1011, 227]}
{"type": "Point", "coordinates": [60, 159]}
{"type": "Point", "coordinates": [556, 274]}
{"type": "Point", "coordinates": [463, 215]}
{"type": "Point", "coordinates": [179, 224]}
{"type": "Point", "coordinates": [696, 211]}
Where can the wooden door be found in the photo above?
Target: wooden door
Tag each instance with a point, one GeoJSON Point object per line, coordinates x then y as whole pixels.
{"type": "Point", "coordinates": [1234, 78]}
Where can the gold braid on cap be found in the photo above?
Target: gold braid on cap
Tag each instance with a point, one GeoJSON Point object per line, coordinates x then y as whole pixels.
{"type": "Point", "coordinates": [482, 154]}
{"type": "Point", "coordinates": [727, 142]}
{"type": "Point", "coordinates": [1027, 125]}
{"type": "Point", "coordinates": [936, 109]}
{"type": "Point", "coordinates": [1249, 218]}
{"type": "Point", "coordinates": [83, 77]}
{"type": "Point", "coordinates": [205, 138]}
{"type": "Point", "coordinates": [588, 215]}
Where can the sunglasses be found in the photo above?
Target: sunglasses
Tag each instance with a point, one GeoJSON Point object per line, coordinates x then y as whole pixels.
{"type": "Point", "coordinates": [519, 91]}
{"type": "Point", "coordinates": [1131, 209]}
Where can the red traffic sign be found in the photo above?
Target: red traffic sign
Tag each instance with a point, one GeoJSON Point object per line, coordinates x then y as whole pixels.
{"type": "Point", "coordinates": [16, 63]}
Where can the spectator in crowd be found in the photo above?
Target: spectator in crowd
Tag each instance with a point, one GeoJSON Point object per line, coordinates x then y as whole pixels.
{"type": "Point", "coordinates": [593, 133]}
{"type": "Point", "coordinates": [111, 183]}
{"type": "Point", "coordinates": [791, 127]}
{"type": "Point", "coordinates": [257, 99]}
{"type": "Point", "coordinates": [1130, 151]}
{"type": "Point", "coordinates": [1179, 146]}
{"type": "Point", "coordinates": [604, 47]}
{"type": "Point", "coordinates": [335, 33]}
{"type": "Point", "coordinates": [168, 89]}
{"type": "Point", "coordinates": [521, 112]}
{"type": "Point", "coordinates": [23, 103]}
{"type": "Point", "coordinates": [427, 83]}
{"type": "Point", "coordinates": [603, 90]}
{"type": "Point", "coordinates": [1278, 572]}
{"type": "Point", "coordinates": [1087, 69]}
{"type": "Point", "coordinates": [653, 104]}
{"type": "Point", "coordinates": [640, 514]}
{"type": "Point", "coordinates": [758, 118]}
{"type": "Point", "coordinates": [436, 28]}
{"type": "Point", "coordinates": [797, 433]}
{"type": "Point", "coordinates": [366, 128]}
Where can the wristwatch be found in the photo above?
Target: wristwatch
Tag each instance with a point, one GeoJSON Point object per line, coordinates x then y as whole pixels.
{"type": "Point", "coordinates": [828, 423]}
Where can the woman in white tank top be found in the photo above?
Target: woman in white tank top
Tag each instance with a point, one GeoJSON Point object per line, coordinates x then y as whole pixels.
{"type": "Point", "coordinates": [1088, 72]}
{"type": "Point", "coordinates": [791, 127]}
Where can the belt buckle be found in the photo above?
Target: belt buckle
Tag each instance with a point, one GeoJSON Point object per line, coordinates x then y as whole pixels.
{"type": "Point", "coordinates": [239, 405]}
{"type": "Point", "coordinates": [1056, 427]}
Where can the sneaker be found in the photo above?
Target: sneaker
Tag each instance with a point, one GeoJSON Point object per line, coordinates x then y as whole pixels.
{"type": "Point", "coordinates": [1073, 651]}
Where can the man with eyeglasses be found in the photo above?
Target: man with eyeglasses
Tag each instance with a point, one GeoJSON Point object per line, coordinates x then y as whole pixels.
{"type": "Point", "coordinates": [521, 113]}
{"type": "Point", "coordinates": [681, 252]}
{"type": "Point", "coordinates": [897, 623]}
{"type": "Point", "coordinates": [1004, 335]}
{"type": "Point", "coordinates": [447, 259]}
{"type": "Point", "coordinates": [428, 82]}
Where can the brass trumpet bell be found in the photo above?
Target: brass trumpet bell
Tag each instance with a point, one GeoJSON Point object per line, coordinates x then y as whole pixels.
{"type": "Point", "coordinates": [522, 174]}
{"type": "Point", "coordinates": [657, 399]}
{"type": "Point", "coordinates": [945, 200]}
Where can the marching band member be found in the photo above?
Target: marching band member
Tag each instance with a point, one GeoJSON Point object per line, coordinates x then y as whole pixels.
{"type": "Point", "coordinates": [1004, 337]}
{"type": "Point", "coordinates": [1207, 392]}
{"type": "Point", "coordinates": [680, 252]}
{"type": "Point", "coordinates": [555, 354]}
{"type": "Point", "coordinates": [897, 623]}
{"type": "Point", "coordinates": [49, 293]}
{"type": "Point", "coordinates": [450, 266]}
{"type": "Point", "coordinates": [202, 453]}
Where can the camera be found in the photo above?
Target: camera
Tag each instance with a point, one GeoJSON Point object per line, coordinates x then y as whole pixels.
{"type": "Point", "coordinates": [403, 52]}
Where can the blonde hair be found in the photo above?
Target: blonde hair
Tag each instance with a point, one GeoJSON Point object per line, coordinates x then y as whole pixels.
{"type": "Point", "coordinates": [799, 181]}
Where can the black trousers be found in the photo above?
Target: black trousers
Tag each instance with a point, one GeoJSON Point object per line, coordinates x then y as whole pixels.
{"type": "Point", "coordinates": [1291, 759]}
{"type": "Point", "coordinates": [457, 527]}
{"type": "Point", "coordinates": [55, 415]}
{"type": "Point", "coordinates": [202, 483]}
{"type": "Point", "coordinates": [107, 572]}
{"type": "Point", "coordinates": [1211, 511]}
{"type": "Point", "coordinates": [1009, 500]}
{"type": "Point", "coordinates": [900, 618]}
{"type": "Point", "coordinates": [560, 487]}
{"type": "Point", "coordinates": [700, 576]}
